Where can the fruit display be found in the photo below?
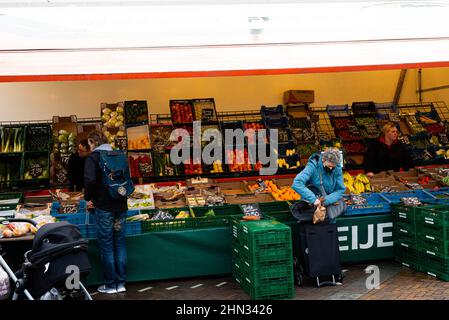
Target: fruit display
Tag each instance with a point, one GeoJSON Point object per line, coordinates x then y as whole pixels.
{"type": "Point", "coordinates": [289, 163]}
{"type": "Point", "coordinates": [136, 112]}
{"type": "Point", "coordinates": [112, 116]}
{"type": "Point", "coordinates": [64, 142]}
{"type": "Point", "coordinates": [357, 184]}
{"type": "Point", "coordinates": [354, 147]}
{"type": "Point", "coordinates": [340, 123]}
{"type": "Point", "coordinates": [36, 167]}
{"type": "Point", "coordinates": [140, 165]}
{"type": "Point", "coordinates": [138, 138]}
{"type": "Point", "coordinates": [285, 193]}
{"type": "Point", "coordinates": [345, 135]}
{"type": "Point", "coordinates": [217, 167]}
{"type": "Point", "coordinates": [116, 137]}
{"type": "Point", "coordinates": [181, 111]}
{"type": "Point", "coordinates": [191, 169]}
{"type": "Point", "coordinates": [365, 121]}
{"type": "Point", "coordinates": [204, 110]}
{"type": "Point", "coordinates": [256, 126]}
{"type": "Point", "coordinates": [240, 161]}
{"type": "Point", "coordinates": [435, 129]}
{"type": "Point", "coordinates": [38, 138]}
{"type": "Point", "coordinates": [142, 198]}
{"type": "Point", "coordinates": [12, 139]}
{"type": "Point", "coordinates": [306, 150]}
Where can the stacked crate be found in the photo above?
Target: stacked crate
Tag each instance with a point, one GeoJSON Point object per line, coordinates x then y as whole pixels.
{"type": "Point", "coordinates": [262, 258]}
{"type": "Point", "coordinates": [422, 238]}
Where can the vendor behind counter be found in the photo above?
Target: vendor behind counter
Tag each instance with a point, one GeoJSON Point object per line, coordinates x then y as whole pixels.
{"type": "Point", "coordinates": [386, 153]}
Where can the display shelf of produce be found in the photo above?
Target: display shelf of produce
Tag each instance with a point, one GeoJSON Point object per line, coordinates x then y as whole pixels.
{"type": "Point", "coordinates": [160, 136]}
{"type": "Point", "coordinates": [181, 111]}
{"type": "Point", "coordinates": [251, 115]}
{"type": "Point", "coordinates": [12, 139]}
{"type": "Point", "coordinates": [204, 110]}
{"type": "Point", "coordinates": [138, 138]}
{"type": "Point", "coordinates": [36, 165]}
{"type": "Point", "coordinates": [162, 166]}
{"type": "Point", "coordinates": [11, 168]}
{"type": "Point", "coordinates": [140, 164]}
{"type": "Point", "coordinates": [113, 122]}
{"type": "Point", "coordinates": [136, 112]}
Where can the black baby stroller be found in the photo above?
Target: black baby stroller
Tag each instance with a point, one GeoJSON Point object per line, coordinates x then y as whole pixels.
{"type": "Point", "coordinates": [55, 266]}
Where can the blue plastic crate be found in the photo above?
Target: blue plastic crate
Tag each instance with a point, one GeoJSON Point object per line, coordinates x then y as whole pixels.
{"type": "Point", "coordinates": [90, 230]}
{"type": "Point", "coordinates": [376, 203]}
{"type": "Point", "coordinates": [55, 206]}
{"type": "Point", "coordinates": [395, 197]}
{"type": "Point", "coordinates": [75, 218]}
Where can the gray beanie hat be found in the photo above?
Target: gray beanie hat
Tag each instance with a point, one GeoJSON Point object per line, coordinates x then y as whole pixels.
{"type": "Point", "coordinates": [332, 155]}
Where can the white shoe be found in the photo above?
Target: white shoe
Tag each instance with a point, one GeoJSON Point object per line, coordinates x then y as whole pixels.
{"type": "Point", "coordinates": [104, 289]}
{"type": "Point", "coordinates": [121, 288]}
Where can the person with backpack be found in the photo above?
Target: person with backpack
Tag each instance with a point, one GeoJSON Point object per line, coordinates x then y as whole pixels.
{"type": "Point", "coordinates": [107, 184]}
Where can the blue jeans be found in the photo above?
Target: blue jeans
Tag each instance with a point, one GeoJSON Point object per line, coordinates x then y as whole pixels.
{"type": "Point", "coordinates": [112, 242]}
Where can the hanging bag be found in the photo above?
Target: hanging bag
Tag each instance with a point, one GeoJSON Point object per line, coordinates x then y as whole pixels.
{"type": "Point", "coordinates": [336, 209]}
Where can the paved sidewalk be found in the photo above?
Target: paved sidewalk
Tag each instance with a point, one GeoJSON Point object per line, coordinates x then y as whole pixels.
{"type": "Point", "coordinates": [396, 283]}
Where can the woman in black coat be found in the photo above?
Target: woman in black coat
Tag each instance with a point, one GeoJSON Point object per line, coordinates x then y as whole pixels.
{"type": "Point", "coordinates": [386, 153]}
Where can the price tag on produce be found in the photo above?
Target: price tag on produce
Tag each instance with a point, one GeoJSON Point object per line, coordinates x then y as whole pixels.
{"type": "Point", "coordinates": [207, 114]}
{"type": "Point", "coordinates": [121, 143]}
{"type": "Point", "coordinates": [65, 159]}
{"type": "Point", "coordinates": [145, 169]}
{"type": "Point", "coordinates": [405, 140]}
{"type": "Point", "coordinates": [36, 170]}
{"type": "Point", "coordinates": [442, 137]}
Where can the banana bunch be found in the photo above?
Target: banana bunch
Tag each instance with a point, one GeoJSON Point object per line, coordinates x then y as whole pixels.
{"type": "Point", "coordinates": [357, 184]}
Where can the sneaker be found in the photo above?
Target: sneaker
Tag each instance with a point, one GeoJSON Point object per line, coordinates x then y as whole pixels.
{"type": "Point", "coordinates": [121, 288]}
{"type": "Point", "coordinates": [106, 290]}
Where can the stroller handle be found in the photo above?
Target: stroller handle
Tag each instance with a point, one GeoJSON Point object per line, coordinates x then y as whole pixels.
{"type": "Point", "coordinates": [7, 221]}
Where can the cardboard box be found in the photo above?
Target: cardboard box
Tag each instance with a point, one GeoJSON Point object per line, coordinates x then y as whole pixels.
{"type": "Point", "coordinates": [248, 198]}
{"type": "Point", "coordinates": [299, 96]}
{"type": "Point", "coordinates": [232, 188]}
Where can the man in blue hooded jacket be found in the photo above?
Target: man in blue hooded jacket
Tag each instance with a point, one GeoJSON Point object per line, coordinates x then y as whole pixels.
{"type": "Point", "coordinates": [322, 170]}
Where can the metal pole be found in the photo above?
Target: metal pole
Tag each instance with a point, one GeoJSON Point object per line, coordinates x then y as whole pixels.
{"type": "Point", "coordinates": [420, 85]}
{"type": "Point", "coordinates": [13, 277]}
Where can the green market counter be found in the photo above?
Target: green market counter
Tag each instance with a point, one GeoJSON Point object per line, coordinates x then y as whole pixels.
{"type": "Point", "coordinates": [205, 252]}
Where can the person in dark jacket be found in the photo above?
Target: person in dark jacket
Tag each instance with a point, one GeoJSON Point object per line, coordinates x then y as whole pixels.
{"type": "Point", "coordinates": [75, 169]}
{"type": "Point", "coordinates": [110, 215]}
{"type": "Point", "coordinates": [386, 153]}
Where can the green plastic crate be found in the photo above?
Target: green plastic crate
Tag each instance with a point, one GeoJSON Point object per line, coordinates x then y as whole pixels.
{"type": "Point", "coordinates": [436, 274]}
{"type": "Point", "coordinates": [440, 250]}
{"type": "Point", "coordinates": [265, 274]}
{"type": "Point", "coordinates": [283, 216]}
{"type": "Point", "coordinates": [274, 206]}
{"type": "Point", "coordinates": [260, 257]}
{"type": "Point", "coordinates": [402, 212]}
{"type": "Point", "coordinates": [10, 200]}
{"type": "Point", "coordinates": [167, 225]}
{"type": "Point", "coordinates": [222, 217]}
{"type": "Point", "coordinates": [434, 216]}
{"type": "Point", "coordinates": [404, 229]}
{"type": "Point", "coordinates": [407, 256]}
{"type": "Point", "coordinates": [433, 232]}
{"type": "Point", "coordinates": [406, 242]}
{"type": "Point", "coordinates": [275, 290]}
{"type": "Point", "coordinates": [430, 260]}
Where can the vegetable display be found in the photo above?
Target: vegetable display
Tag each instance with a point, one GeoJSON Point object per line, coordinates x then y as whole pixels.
{"type": "Point", "coordinates": [136, 112]}
{"type": "Point", "coordinates": [36, 167]}
{"type": "Point", "coordinates": [64, 142]}
{"type": "Point", "coordinates": [181, 111]}
{"type": "Point", "coordinates": [12, 139]}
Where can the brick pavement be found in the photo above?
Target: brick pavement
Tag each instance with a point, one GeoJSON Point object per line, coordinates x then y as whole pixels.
{"type": "Point", "coordinates": [396, 283]}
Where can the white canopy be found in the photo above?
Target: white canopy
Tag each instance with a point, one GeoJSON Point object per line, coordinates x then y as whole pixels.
{"type": "Point", "coordinates": [142, 39]}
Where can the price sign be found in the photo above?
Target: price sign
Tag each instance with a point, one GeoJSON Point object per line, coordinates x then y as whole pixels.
{"type": "Point", "coordinates": [207, 114]}
{"type": "Point", "coordinates": [121, 143]}
{"type": "Point", "coordinates": [36, 171]}
{"type": "Point", "coordinates": [65, 159]}
{"type": "Point", "coordinates": [145, 169]}
{"type": "Point", "coordinates": [169, 171]}
{"type": "Point", "coordinates": [404, 140]}
{"type": "Point", "coordinates": [442, 137]}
